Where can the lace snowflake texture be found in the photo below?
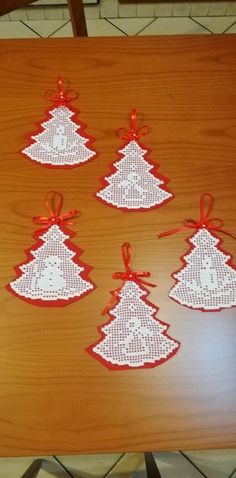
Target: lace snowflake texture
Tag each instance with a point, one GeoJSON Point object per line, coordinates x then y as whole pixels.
{"type": "Point", "coordinates": [62, 143]}
{"type": "Point", "coordinates": [52, 275]}
{"type": "Point", "coordinates": [134, 337]}
{"type": "Point", "coordinates": [207, 282]}
{"type": "Point", "coordinates": [133, 186]}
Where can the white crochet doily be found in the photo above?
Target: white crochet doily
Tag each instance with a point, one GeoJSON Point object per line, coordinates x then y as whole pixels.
{"type": "Point", "coordinates": [52, 274]}
{"type": "Point", "coordinates": [207, 282]}
{"type": "Point", "coordinates": [133, 186]}
{"type": "Point", "coordinates": [60, 143]}
{"type": "Point", "coordinates": [134, 337]}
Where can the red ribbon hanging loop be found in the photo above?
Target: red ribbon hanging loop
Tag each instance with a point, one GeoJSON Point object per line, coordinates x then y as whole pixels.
{"type": "Point", "coordinates": [212, 224]}
{"type": "Point", "coordinates": [134, 132]}
{"type": "Point", "coordinates": [136, 276]}
{"type": "Point", "coordinates": [54, 202]}
{"type": "Point", "coordinates": [61, 96]}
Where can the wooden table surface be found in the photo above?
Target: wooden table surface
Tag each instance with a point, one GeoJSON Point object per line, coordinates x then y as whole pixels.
{"type": "Point", "coordinates": [54, 397]}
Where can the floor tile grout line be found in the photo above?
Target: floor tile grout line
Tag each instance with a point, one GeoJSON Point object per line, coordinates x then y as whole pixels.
{"type": "Point", "coordinates": [57, 30]}
{"type": "Point", "coordinates": [29, 28]}
{"type": "Point", "coordinates": [63, 466]}
{"type": "Point", "coordinates": [116, 26]}
{"type": "Point", "coordinates": [192, 463]}
{"type": "Point", "coordinates": [213, 16]}
{"type": "Point", "coordinates": [232, 474]}
{"type": "Point", "coordinates": [114, 464]}
{"type": "Point", "coordinates": [27, 10]}
{"type": "Point", "coordinates": [154, 17]}
{"type": "Point", "coordinates": [198, 23]}
{"type": "Point", "coordinates": [229, 27]}
{"type": "Point", "coordinates": [144, 28]}
{"type": "Point", "coordinates": [127, 18]}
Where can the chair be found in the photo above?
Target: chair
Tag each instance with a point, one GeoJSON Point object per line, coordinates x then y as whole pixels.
{"type": "Point", "coordinates": [75, 7]}
{"type": "Point", "coordinates": [150, 464]}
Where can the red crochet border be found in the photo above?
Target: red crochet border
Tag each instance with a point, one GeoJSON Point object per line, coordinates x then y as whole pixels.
{"type": "Point", "coordinates": [182, 258]}
{"type": "Point", "coordinates": [71, 246]}
{"type": "Point", "coordinates": [48, 116]}
{"type": "Point", "coordinates": [154, 172]}
{"type": "Point", "coordinates": [111, 366]}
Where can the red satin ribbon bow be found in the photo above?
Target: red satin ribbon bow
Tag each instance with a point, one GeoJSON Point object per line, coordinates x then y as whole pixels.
{"type": "Point", "coordinates": [136, 276]}
{"type": "Point", "coordinates": [134, 132]}
{"type": "Point", "coordinates": [54, 202]}
{"type": "Point", "coordinates": [212, 224]}
{"type": "Point", "coordinates": [61, 96]}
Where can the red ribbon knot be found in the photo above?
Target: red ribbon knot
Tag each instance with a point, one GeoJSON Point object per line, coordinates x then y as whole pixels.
{"type": "Point", "coordinates": [54, 202]}
{"type": "Point", "coordinates": [136, 276]}
{"type": "Point", "coordinates": [61, 96]}
{"type": "Point", "coordinates": [130, 275]}
{"type": "Point", "coordinates": [212, 224]}
{"type": "Point", "coordinates": [134, 132]}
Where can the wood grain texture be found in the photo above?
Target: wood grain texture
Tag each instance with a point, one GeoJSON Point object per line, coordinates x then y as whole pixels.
{"type": "Point", "coordinates": [55, 398]}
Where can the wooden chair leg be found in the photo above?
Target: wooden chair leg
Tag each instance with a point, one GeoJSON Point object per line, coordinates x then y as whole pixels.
{"type": "Point", "coordinates": [7, 6]}
{"type": "Point", "coordinates": [151, 466]}
{"type": "Point", "coordinates": [33, 469]}
{"type": "Point", "coordinates": [77, 15]}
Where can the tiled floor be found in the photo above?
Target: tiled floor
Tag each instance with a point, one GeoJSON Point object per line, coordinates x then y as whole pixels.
{"type": "Point", "coordinates": [119, 26]}
{"type": "Point", "coordinates": [210, 464]}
